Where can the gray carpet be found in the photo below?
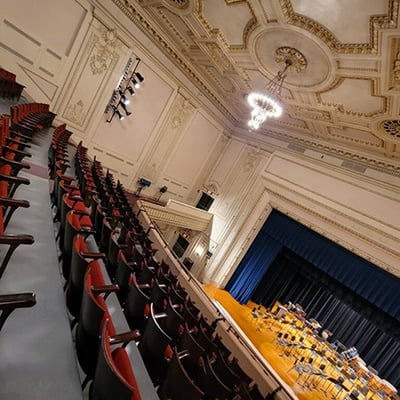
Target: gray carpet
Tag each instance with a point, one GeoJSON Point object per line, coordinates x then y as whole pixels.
{"type": "Point", "coordinates": [36, 346]}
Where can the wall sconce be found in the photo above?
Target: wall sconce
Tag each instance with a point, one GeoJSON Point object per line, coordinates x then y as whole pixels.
{"type": "Point", "coordinates": [124, 88]}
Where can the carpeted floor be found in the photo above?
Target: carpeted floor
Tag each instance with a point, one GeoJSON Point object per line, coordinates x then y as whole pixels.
{"type": "Point", "coordinates": [36, 346]}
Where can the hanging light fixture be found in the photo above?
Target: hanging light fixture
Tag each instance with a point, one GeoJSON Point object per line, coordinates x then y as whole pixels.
{"type": "Point", "coordinates": [120, 94]}
{"type": "Point", "coordinates": [266, 104]}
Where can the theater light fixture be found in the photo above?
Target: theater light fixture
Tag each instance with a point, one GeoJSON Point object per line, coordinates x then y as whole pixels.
{"type": "Point", "coordinates": [127, 112]}
{"type": "Point", "coordinates": [124, 99]}
{"type": "Point", "coordinates": [139, 76]}
{"type": "Point", "coordinates": [120, 96]}
{"type": "Point", "coordinates": [135, 83]}
{"type": "Point", "coordinates": [119, 115]}
{"type": "Point", "coordinates": [266, 104]}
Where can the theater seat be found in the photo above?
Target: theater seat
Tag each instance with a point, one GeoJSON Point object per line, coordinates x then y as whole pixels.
{"type": "Point", "coordinates": [153, 345]}
{"type": "Point", "coordinates": [114, 377]}
{"type": "Point", "coordinates": [178, 384]}
{"type": "Point", "coordinates": [93, 313]}
{"type": "Point", "coordinates": [80, 259]}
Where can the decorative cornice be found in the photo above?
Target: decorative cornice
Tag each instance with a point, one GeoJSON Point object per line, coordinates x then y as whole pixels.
{"type": "Point", "coordinates": [345, 227]}
{"type": "Point", "coordinates": [370, 162]}
{"type": "Point", "coordinates": [147, 28]}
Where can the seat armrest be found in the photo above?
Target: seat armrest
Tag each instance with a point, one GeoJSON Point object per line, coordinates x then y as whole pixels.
{"type": "Point", "coordinates": [92, 255]}
{"type": "Point", "coordinates": [19, 142]}
{"type": "Point", "coordinates": [20, 152]}
{"type": "Point", "coordinates": [13, 163]}
{"type": "Point", "coordinates": [20, 135]}
{"type": "Point", "coordinates": [126, 337]}
{"type": "Point", "coordinates": [106, 289]}
{"type": "Point", "coordinates": [9, 302]}
{"type": "Point", "coordinates": [17, 300]}
{"type": "Point", "coordinates": [7, 202]}
{"type": "Point", "coordinates": [14, 179]}
{"type": "Point", "coordinates": [16, 239]}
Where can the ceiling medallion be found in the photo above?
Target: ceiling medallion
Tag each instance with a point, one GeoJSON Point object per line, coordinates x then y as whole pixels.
{"type": "Point", "coordinates": [265, 105]}
{"type": "Point", "coordinates": [297, 59]}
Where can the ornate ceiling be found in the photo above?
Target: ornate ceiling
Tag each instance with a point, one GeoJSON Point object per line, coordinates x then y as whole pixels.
{"type": "Point", "coordinates": [344, 92]}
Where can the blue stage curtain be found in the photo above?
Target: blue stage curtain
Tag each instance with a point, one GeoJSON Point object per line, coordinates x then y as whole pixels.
{"type": "Point", "coordinates": [252, 268]}
{"type": "Point", "coordinates": [370, 282]}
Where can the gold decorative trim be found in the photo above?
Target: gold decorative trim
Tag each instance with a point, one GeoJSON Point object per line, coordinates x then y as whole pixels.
{"type": "Point", "coordinates": [296, 58]}
{"type": "Point", "coordinates": [250, 26]}
{"type": "Point", "coordinates": [339, 107]}
{"type": "Point", "coordinates": [376, 23]}
{"type": "Point", "coordinates": [355, 140]}
{"type": "Point", "coordinates": [171, 26]}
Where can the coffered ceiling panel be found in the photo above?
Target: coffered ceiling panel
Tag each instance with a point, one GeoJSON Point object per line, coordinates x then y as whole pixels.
{"type": "Point", "coordinates": [344, 82]}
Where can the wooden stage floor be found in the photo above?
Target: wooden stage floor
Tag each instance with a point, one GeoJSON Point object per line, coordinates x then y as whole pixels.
{"type": "Point", "coordinates": [264, 339]}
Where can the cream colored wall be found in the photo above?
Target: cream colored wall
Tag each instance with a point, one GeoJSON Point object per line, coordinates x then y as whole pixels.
{"type": "Point", "coordinates": [39, 42]}
{"type": "Point", "coordinates": [353, 210]}
{"type": "Point", "coordinates": [175, 138]}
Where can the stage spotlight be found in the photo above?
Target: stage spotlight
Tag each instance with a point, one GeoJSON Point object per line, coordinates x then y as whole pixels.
{"type": "Point", "coordinates": [135, 83]}
{"type": "Point", "coordinates": [139, 76]}
{"type": "Point", "coordinates": [127, 112]}
{"type": "Point", "coordinates": [120, 116]}
{"type": "Point", "coordinates": [124, 99]}
{"type": "Point", "coordinates": [130, 90]}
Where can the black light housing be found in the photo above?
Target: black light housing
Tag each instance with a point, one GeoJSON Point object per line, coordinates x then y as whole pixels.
{"type": "Point", "coordinates": [127, 112]}
{"type": "Point", "coordinates": [120, 116]}
{"type": "Point", "coordinates": [124, 99]}
{"type": "Point", "coordinates": [135, 83]}
{"type": "Point", "coordinates": [130, 90]}
{"type": "Point", "coordinates": [139, 76]}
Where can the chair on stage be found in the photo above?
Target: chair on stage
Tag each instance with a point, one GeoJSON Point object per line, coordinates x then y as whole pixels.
{"type": "Point", "coordinates": [256, 317]}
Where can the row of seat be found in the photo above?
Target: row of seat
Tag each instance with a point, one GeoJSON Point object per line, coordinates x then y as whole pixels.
{"type": "Point", "coordinates": [9, 87]}
{"type": "Point", "coordinates": [29, 118]}
{"type": "Point", "coordinates": [177, 346]}
{"type": "Point", "coordinates": [13, 147]}
{"type": "Point", "coordinates": [90, 296]}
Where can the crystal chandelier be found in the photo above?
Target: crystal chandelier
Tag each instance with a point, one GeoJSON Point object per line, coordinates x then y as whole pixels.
{"type": "Point", "coordinates": [266, 105]}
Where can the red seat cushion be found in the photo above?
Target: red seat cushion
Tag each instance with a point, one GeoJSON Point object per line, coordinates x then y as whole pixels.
{"type": "Point", "coordinates": [123, 366]}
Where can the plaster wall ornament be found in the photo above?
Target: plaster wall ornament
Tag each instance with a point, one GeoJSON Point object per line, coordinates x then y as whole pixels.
{"type": "Point", "coordinates": [181, 110]}
{"type": "Point", "coordinates": [74, 112]}
{"type": "Point", "coordinates": [251, 159]}
{"type": "Point", "coordinates": [103, 51]}
{"type": "Point", "coordinates": [396, 71]}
